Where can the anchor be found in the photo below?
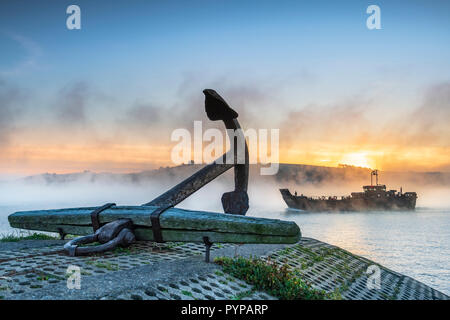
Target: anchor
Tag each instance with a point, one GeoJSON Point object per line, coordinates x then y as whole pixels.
{"type": "Point", "coordinates": [118, 233]}
{"type": "Point", "coordinates": [159, 220]}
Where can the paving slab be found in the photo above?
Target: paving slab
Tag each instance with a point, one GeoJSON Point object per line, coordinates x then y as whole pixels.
{"type": "Point", "coordinates": [37, 269]}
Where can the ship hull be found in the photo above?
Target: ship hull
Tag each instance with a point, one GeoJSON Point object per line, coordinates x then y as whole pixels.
{"type": "Point", "coordinates": [348, 204]}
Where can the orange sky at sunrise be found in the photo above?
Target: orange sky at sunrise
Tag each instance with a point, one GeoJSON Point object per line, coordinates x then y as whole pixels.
{"type": "Point", "coordinates": [30, 159]}
{"type": "Point", "coordinates": [108, 97]}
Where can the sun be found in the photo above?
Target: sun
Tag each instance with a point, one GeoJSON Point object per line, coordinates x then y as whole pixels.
{"type": "Point", "coordinates": [357, 159]}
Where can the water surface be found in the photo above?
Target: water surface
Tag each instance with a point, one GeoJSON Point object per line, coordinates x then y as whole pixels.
{"type": "Point", "coordinates": [415, 243]}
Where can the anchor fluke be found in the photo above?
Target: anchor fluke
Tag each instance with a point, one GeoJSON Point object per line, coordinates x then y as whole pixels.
{"type": "Point", "coordinates": [216, 107]}
{"type": "Point", "coordinates": [235, 202]}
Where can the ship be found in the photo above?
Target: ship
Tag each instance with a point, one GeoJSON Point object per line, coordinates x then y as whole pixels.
{"type": "Point", "coordinates": [375, 197]}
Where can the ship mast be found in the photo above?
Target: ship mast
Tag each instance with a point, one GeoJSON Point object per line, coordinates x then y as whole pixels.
{"type": "Point", "coordinates": [374, 173]}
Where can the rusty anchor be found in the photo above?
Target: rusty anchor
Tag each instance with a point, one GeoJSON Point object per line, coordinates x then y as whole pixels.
{"type": "Point", "coordinates": [234, 202]}
{"type": "Point", "coordinates": [119, 232]}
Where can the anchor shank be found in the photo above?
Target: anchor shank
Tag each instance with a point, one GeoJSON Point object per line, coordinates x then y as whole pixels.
{"type": "Point", "coordinates": [241, 169]}
{"type": "Point", "coordinates": [190, 185]}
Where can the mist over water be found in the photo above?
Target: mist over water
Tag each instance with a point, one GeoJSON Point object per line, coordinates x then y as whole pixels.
{"type": "Point", "coordinates": [416, 243]}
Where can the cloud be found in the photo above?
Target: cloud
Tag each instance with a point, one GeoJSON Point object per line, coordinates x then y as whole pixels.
{"type": "Point", "coordinates": [150, 122]}
{"type": "Point", "coordinates": [426, 125]}
{"type": "Point", "coordinates": [11, 104]}
{"type": "Point", "coordinates": [32, 53]}
{"type": "Point", "coordinates": [416, 138]}
{"type": "Point", "coordinates": [346, 122]}
{"type": "Point", "coordinates": [145, 114]}
{"type": "Point", "coordinates": [189, 107]}
{"type": "Point", "coordinates": [72, 103]}
{"type": "Point", "coordinates": [361, 121]}
{"type": "Point", "coordinates": [81, 116]}
{"type": "Point", "coordinates": [430, 122]}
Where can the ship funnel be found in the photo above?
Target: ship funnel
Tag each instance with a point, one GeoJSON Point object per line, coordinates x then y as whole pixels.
{"type": "Point", "coordinates": [374, 173]}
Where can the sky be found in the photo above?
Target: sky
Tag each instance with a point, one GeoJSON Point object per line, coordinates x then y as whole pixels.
{"type": "Point", "coordinates": [108, 96]}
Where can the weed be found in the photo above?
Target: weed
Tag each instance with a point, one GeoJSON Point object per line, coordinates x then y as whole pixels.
{"type": "Point", "coordinates": [275, 280]}
{"type": "Point", "coordinates": [14, 237]}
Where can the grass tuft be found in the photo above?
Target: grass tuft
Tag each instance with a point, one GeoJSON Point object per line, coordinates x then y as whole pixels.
{"type": "Point", "coordinates": [187, 293]}
{"type": "Point", "coordinates": [15, 237]}
{"type": "Point", "coordinates": [277, 281]}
